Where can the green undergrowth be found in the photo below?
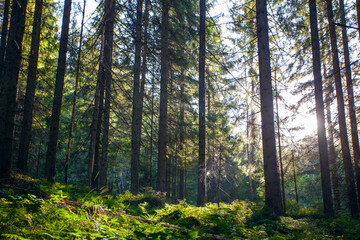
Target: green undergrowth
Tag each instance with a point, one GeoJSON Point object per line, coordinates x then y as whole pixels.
{"type": "Point", "coordinates": [34, 209]}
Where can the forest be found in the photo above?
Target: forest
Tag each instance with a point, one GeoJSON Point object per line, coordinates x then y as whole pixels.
{"type": "Point", "coordinates": [160, 119]}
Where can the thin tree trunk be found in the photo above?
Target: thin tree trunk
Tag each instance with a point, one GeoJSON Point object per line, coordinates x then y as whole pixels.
{"type": "Point", "coordinates": [25, 138]}
{"type": "Point", "coordinates": [96, 122]}
{"type": "Point", "coordinates": [219, 179]}
{"type": "Point", "coordinates": [9, 80]}
{"type": "Point", "coordinates": [182, 138]}
{"type": "Point", "coordinates": [136, 110]}
{"type": "Point", "coordinates": [161, 175]}
{"type": "Point", "coordinates": [37, 173]}
{"type": "Point", "coordinates": [4, 35]}
{"type": "Point", "coordinates": [252, 155]}
{"type": "Point", "coordinates": [202, 129]}
{"type": "Point", "coordinates": [185, 174]}
{"type": "Point", "coordinates": [320, 115]}
{"type": "Point", "coordinates": [358, 14]}
{"type": "Point", "coordinates": [174, 170]}
{"type": "Point", "coordinates": [50, 168]}
{"type": "Point", "coordinates": [295, 182]}
{"type": "Point", "coordinates": [71, 126]}
{"type": "Point", "coordinates": [144, 66]}
{"type": "Point", "coordinates": [351, 103]}
{"type": "Point", "coordinates": [151, 132]}
{"type": "Point", "coordinates": [349, 173]}
{"type": "Point", "coordinates": [168, 175]}
{"type": "Point", "coordinates": [279, 145]}
{"type": "Point", "coordinates": [332, 151]}
{"type": "Point", "coordinates": [272, 181]}
{"type": "Point", "coordinates": [97, 155]}
{"type": "Point", "coordinates": [248, 137]}
{"type": "Point", "coordinates": [109, 32]}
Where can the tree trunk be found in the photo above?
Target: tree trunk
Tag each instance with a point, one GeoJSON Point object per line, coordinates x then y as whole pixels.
{"type": "Point", "coordinates": [248, 137]}
{"type": "Point", "coordinates": [136, 110]}
{"type": "Point", "coordinates": [109, 33]}
{"type": "Point", "coordinates": [96, 122]}
{"type": "Point", "coordinates": [151, 132]}
{"type": "Point", "coordinates": [332, 151]}
{"type": "Point", "coordinates": [168, 175]}
{"type": "Point", "coordinates": [295, 182]}
{"type": "Point", "coordinates": [279, 145]}
{"type": "Point", "coordinates": [351, 103]}
{"type": "Point", "coordinates": [253, 135]}
{"type": "Point", "coordinates": [4, 33]}
{"type": "Point", "coordinates": [38, 159]}
{"type": "Point", "coordinates": [182, 138]}
{"type": "Point", "coordinates": [349, 174]}
{"type": "Point", "coordinates": [50, 169]}
{"type": "Point", "coordinates": [320, 115]}
{"type": "Point", "coordinates": [25, 138]}
{"type": "Point", "coordinates": [358, 14]}
{"type": "Point", "coordinates": [144, 67]}
{"type": "Point", "coordinates": [9, 81]}
{"type": "Point", "coordinates": [185, 174]}
{"type": "Point", "coordinates": [96, 169]}
{"type": "Point", "coordinates": [71, 126]}
{"type": "Point", "coordinates": [202, 131]}
{"type": "Point", "coordinates": [161, 175]}
{"type": "Point", "coordinates": [174, 170]}
{"type": "Point", "coordinates": [272, 181]}
{"type": "Point", "coordinates": [219, 179]}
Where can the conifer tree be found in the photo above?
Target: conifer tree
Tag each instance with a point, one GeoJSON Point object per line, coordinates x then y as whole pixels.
{"type": "Point", "coordinates": [202, 142]}
{"type": "Point", "coordinates": [272, 182]}
{"type": "Point", "coordinates": [77, 77]}
{"type": "Point", "coordinates": [137, 110]}
{"type": "Point", "coordinates": [332, 150]}
{"type": "Point", "coordinates": [351, 102]}
{"type": "Point", "coordinates": [93, 163]}
{"type": "Point", "coordinates": [109, 19]}
{"type": "Point", "coordinates": [25, 138]}
{"type": "Point", "coordinates": [50, 168]}
{"type": "Point", "coordinates": [320, 115]}
{"type": "Point", "coordinates": [4, 33]}
{"type": "Point", "coordinates": [349, 173]}
{"type": "Point", "coordinates": [357, 3]}
{"type": "Point", "coordinates": [163, 126]}
{"type": "Point", "coordinates": [9, 81]}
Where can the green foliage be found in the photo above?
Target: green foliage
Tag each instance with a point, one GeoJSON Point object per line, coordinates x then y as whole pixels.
{"type": "Point", "coordinates": [72, 213]}
{"type": "Point", "coordinates": [296, 210]}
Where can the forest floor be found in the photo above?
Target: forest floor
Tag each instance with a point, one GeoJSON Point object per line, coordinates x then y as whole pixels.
{"type": "Point", "coordinates": [34, 209]}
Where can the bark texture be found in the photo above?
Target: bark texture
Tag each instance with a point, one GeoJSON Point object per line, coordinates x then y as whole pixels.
{"type": "Point", "coordinates": [93, 164]}
{"type": "Point", "coordinates": [50, 168]}
{"type": "Point", "coordinates": [25, 137]}
{"type": "Point", "coordinates": [109, 33]}
{"type": "Point", "coordinates": [272, 182]}
{"type": "Point", "coordinates": [202, 130]}
{"type": "Point", "coordinates": [4, 35]}
{"type": "Point", "coordinates": [349, 172]}
{"type": "Point", "coordinates": [163, 126]}
{"type": "Point", "coordinates": [71, 126]}
{"type": "Point", "coordinates": [351, 102]}
{"type": "Point", "coordinates": [320, 113]}
{"type": "Point", "coordinates": [182, 141]}
{"type": "Point", "coordinates": [332, 152]}
{"type": "Point", "coordinates": [9, 80]}
{"type": "Point", "coordinates": [137, 106]}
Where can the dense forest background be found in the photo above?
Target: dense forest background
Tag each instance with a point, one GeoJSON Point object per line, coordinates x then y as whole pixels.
{"type": "Point", "coordinates": [122, 95]}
